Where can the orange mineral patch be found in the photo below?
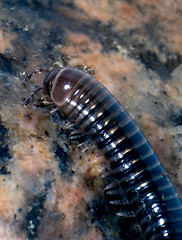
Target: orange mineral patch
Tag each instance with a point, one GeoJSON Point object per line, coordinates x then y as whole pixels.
{"type": "Point", "coordinates": [158, 137]}
{"type": "Point", "coordinates": [94, 234]}
{"type": "Point", "coordinates": [98, 9]}
{"type": "Point", "coordinates": [71, 203]}
{"type": "Point", "coordinates": [105, 11]}
{"type": "Point", "coordinates": [109, 68]}
{"type": "Point", "coordinates": [8, 202]}
{"type": "Point", "coordinates": [5, 41]}
{"type": "Point", "coordinates": [33, 157]}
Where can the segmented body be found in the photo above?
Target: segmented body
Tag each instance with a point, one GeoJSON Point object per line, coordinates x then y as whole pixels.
{"type": "Point", "coordinates": [139, 178]}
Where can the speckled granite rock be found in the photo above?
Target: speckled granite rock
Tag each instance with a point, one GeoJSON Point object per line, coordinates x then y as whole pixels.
{"type": "Point", "coordinates": [49, 188]}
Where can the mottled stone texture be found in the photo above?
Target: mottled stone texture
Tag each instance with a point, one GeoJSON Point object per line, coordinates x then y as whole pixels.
{"type": "Point", "coordinates": [49, 188]}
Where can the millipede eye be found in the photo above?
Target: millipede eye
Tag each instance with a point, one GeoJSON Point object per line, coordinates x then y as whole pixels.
{"type": "Point", "coordinates": [49, 88]}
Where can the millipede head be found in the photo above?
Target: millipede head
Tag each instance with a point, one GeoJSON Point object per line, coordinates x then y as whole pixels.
{"type": "Point", "coordinates": [58, 84]}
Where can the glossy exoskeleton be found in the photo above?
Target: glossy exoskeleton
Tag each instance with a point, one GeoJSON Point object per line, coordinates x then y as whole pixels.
{"type": "Point", "coordinates": [139, 179]}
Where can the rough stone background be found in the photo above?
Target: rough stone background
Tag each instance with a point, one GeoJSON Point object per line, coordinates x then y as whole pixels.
{"type": "Point", "coordinates": [49, 188]}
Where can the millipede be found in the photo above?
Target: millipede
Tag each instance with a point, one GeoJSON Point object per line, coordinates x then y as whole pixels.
{"type": "Point", "coordinates": [140, 183]}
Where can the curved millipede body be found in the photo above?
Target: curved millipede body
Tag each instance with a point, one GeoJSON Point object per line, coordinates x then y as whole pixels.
{"type": "Point", "coordinates": [139, 180]}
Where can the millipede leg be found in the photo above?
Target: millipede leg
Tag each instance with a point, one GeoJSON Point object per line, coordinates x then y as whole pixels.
{"type": "Point", "coordinates": [31, 96]}
{"type": "Point", "coordinates": [40, 70]}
